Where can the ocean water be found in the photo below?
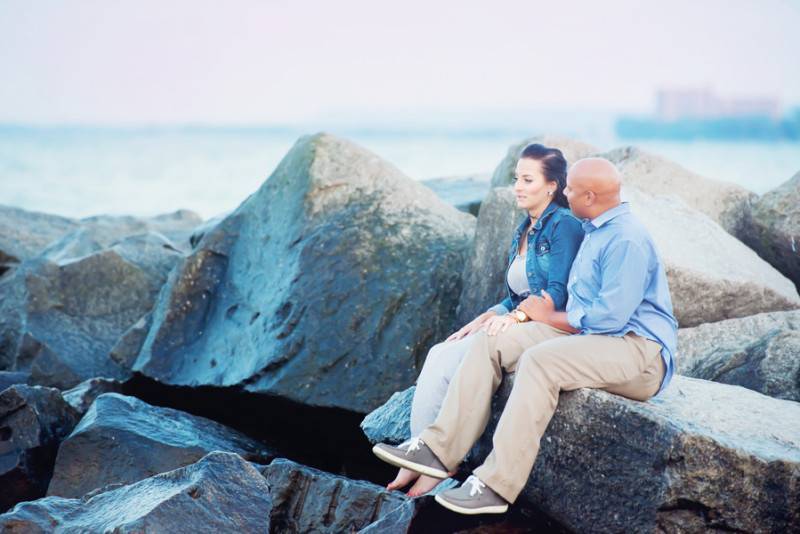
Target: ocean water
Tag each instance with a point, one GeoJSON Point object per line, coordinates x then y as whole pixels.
{"type": "Point", "coordinates": [81, 171]}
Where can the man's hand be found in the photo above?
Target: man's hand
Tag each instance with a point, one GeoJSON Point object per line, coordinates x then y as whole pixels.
{"type": "Point", "coordinates": [497, 324]}
{"type": "Point", "coordinates": [538, 308]}
{"type": "Point", "coordinates": [472, 326]}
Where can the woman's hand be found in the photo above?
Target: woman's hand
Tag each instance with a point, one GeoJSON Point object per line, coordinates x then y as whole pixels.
{"type": "Point", "coordinates": [498, 323]}
{"type": "Point", "coordinates": [472, 326]}
{"type": "Point", "coordinates": [538, 308]}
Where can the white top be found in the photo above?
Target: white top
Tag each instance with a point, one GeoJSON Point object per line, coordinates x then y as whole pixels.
{"type": "Point", "coordinates": [517, 279]}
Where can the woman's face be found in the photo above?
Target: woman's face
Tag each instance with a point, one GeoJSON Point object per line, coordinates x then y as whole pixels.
{"type": "Point", "coordinates": [530, 186]}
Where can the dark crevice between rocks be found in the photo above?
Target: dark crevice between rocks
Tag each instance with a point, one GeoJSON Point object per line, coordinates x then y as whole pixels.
{"type": "Point", "coordinates": [329, 439]}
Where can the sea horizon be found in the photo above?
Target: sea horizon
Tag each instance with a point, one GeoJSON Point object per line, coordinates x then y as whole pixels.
{"type": "Point", "coordinates": [79, 170]}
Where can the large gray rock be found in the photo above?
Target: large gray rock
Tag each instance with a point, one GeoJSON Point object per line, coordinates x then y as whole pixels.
{"type": "Point", "coordinates": [724, 202]}
{"type": "Point", "coordinates": [308, 500]}
{"type": "Point", "coordinates": [701, 456]}
{"type": "Point", "coordinates": [220, 493]}
{"type": "Point", "coordinates": [572, 149]}
{"type": "Point", "coordinates": [712, 275]}
{"type": "Point", "coordinates": [760, 352]}
{"type": "Point", "coordinates": [485, 268]}
{"type": "Point", "coordinates": [24, 234]}
{"type": "Point", "coordinates": [121, 440]}
{"type": "Point", "coordinates": [772, 228]}
{"type": "Point", "coordinates": [327, 286]}
{"type": "Point", "coordinates": [33, 421]}
{"type": "Point", "coordinates": [63, 312]}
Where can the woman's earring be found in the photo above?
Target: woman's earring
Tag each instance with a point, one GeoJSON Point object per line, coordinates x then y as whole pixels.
{"type": "Point", "coordinates": [550, 193]}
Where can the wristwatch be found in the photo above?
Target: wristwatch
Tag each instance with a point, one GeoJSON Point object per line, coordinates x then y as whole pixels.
{"type": "Point", "coordinates": [519, 315]}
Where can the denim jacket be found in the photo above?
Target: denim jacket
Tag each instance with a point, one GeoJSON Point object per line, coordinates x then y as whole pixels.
{"type": "Point", "coordinates": [552, 245]}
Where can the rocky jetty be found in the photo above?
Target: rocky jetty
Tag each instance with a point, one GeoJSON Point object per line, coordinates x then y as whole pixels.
{"type": "Point", "coordinates": [211, 375]}
{"type": "Point", "coordinates": [327, 286]}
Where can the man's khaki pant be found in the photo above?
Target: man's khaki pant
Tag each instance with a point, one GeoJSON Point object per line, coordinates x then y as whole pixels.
{"type": "Point", "coordinates": [546, 360]}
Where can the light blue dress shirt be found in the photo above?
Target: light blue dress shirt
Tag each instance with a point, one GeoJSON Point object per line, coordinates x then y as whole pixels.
{"type": "Point", "coordinates": [618, 284]}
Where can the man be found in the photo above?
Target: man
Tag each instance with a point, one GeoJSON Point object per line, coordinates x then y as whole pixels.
{"type": "Point", "coordinates": [617, 334]}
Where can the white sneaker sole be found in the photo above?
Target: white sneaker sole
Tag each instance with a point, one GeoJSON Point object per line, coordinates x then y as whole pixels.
{"type": "Point", "coordinates": [496, 509]}
{"type": "Point", "coordinates": [399, 462]}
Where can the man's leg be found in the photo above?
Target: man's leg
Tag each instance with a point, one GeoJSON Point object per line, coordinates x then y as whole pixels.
{"type": "Point", "coordinates": [629, 365]}
{"type": "Point", "coordinates": [467, 405]}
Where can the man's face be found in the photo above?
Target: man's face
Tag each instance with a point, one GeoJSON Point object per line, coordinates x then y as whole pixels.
{"type": "Point", "coordinates": [576, 196]}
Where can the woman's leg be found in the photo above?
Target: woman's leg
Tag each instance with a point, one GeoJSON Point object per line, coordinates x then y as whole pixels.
{"type": "Point", "coordinates": [439, 367]}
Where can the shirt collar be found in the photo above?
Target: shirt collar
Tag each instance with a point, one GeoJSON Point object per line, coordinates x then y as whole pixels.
{"type": "Point", "coordinates": [603, 218]}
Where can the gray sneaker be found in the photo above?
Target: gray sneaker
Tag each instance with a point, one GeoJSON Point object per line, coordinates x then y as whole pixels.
{"type": "Point", "coordinates": [472, 497]}
{"type": "Point", "coordinates": [412, 454]}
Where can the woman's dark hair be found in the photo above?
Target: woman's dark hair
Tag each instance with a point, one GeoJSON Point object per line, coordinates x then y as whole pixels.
{"type": "Point", "coordinates": [554, 167]}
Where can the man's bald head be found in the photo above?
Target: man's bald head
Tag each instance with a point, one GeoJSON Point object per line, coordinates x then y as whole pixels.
{"type": "Point", "coordinates": [593, 187]}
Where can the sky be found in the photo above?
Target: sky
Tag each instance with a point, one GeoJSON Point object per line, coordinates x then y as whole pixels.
{"type": "Point", "coordinates": [289, 62]}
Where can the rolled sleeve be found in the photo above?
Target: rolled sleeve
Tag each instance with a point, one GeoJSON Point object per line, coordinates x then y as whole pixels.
{"type": "Point", "coordinates": [575, 315]}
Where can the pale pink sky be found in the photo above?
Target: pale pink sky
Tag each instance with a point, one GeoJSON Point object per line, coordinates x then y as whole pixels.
{"type": "Point", "coordinates": [146, 61]}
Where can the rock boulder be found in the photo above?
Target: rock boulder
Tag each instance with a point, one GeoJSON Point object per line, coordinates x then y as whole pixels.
{"type": "Point", "coordinates": [724, 202]}
{"type": "Point", "coordinates": [33, 421]}
{"type": "Point", "coordinates": [327, 286]}
{"type": "Point", "coordinates": [220, 493]}
{"type": "Point", "coordinates": [121, 440]}
{"type": "Point", "coordinates": [772, 228]}
{"type": "Point", "coordinates": [701, 456]}
{"type": "Point", "coordinates": [308, 500]}
{"type": "Point", "coordinates": [63, 312]}
{"type": "Point", "coordinates": [759, 352]}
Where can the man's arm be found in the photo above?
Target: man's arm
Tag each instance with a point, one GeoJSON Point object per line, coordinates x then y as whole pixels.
{"type": "Point", "coordinates": [624, 274]}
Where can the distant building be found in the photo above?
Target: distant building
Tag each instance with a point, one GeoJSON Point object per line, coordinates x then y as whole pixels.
{"type": "Point", "coordinates": [673, 105]}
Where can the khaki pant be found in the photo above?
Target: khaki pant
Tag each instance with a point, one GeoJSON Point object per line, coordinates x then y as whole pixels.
{"type": "Point", "coordinates": [546, 361]}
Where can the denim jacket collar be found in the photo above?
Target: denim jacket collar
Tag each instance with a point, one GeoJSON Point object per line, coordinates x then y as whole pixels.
{"type": "Point", "coordinates": [549, 210]}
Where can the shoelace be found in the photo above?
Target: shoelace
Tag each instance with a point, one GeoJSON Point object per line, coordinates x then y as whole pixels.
{"type": "Point", "coordinates": [413, 445]}
{"type": "Point", "coordinates": [476, 485]}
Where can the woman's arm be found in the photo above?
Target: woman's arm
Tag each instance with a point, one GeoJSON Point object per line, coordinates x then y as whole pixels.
{"type": "Point", "coordinates": [564, 244]}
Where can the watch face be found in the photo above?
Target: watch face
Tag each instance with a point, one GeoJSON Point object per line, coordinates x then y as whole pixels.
{"type": "Point", "coordinates": [520, 315]}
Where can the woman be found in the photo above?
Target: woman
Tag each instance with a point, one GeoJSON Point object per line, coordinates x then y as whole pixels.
{"type": "Point", "coordinates": [542, 250]}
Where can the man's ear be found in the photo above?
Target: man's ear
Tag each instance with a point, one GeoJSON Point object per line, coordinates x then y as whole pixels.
{"type": "Point", "coordinates": [590, 198]}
